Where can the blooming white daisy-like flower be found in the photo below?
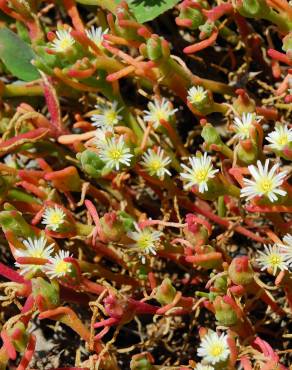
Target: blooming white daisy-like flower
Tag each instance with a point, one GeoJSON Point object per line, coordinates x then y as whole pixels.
{"type": "Point", "coordinates": [280, 137]}
{"type": "Point", "coordinates": [272, 258]}
{"type": "Point", "coordinates": [214, 348]}
{"type": "Point", "coordinates": [96, 34]}
{"type": "Point", "coordinates": [108, 117]}
{"type": "Point", "coordinates": [63, 41]}
{"type": "Point", "coordinates": [115, 153]}
{"type": "Point", "coordinates": [200, 172]}
{"type": "Point", "coordinates": [57, 267]}
{"type": "Point", "coordinates": [243, 125]}
{"type": "Point", "coordinates": [159, 109]}
{"type": "Point", "coordinates": [196, 94]}
{"type": "Point", "coordinates": [265, 183]}
{"type": "Point", "coordinates": [155, 162]}
{"type": "Point", "coordinates": [204, 367]}
{"type": "Point", "coordinates": [286, 248]}
{"type": "Point", "coordinates": [145, 240]}
{"type": "Point", "coordinates": [53, 218]}
{"type": "Point", "coordinates": [36, 248]}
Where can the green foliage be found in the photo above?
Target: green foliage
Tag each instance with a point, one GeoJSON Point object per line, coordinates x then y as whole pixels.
{"type": "Point", "coordinates": [17, 55]}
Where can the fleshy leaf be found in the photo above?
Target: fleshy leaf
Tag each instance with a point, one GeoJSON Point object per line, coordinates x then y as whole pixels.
{"type": "Point", "coordinates": [146, 10]}
{"type": "Point", "coordinates": [17, 56]}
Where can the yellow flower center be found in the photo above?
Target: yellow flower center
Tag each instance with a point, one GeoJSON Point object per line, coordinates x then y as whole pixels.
{"type": "Point", "coordinates": [62, 267]}
{"type": "Point", "coordinates": [283, 140]}
{"type": "Point", "coordinates": [55, 218]}
{"type": "Point", "coordinates": [144, 241]}
{"type": "Point", "coordinates": [115, 154]}
{"type": "Point", "coordinates": [266, 186]}
{"type": "Point", "coordinates": [216, 350]}
{"type": "Point", "coordinates": [201, 175]}
{"type": "Point", "coordinates": [275, 259]}
{"type": "Point", "coordinates": [197, 97]}
{"type": "Point", "coordinates": [37, 254]}
{"type": "Point", "coordinates": [155, 165]}
{"type": "Point", "coordinates": [161, 114]}
{"type": "Point", "coordinates": [110, 117]}
{"type": "Point", "coordinates": [65, 44]}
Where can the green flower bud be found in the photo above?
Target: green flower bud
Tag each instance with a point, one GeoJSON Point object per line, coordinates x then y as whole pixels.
{"type": "Point", "coordinates": [224, 312]}
{"type": "Point", "coordinates": [253, 8]}
{"type": "Point", "coordinates": [22, 338]}
{"type": "Point", "coordinates": [193, 15]}
{"type": "Point", "coordinates": [240, 271]}
{"type": "Point", "coordinates": [165, 292]}
{"type": "Point", "coordinates": [157, 48]}
{"type": "Point", "coordinates": [48, 291]}
{"type": "Point", "coordinates": [112, 227]}
{"type": "Point", "coordinates": [12, 220]}
{"type": "Point", "coordinates": [91, 163]}
{"type": "Point", "coordinates": [142, 361]}
{"type": "Point", "coordinates": [207, 28]}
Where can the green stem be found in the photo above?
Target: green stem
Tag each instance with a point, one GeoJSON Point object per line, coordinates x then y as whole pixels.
{"type": "Point", "coordinates": [221, 206]}
{"type": "Point", "coordinates": [11, 91]}
{"type": "Point", "coordinates": [18, 195]}
{"type": "Point", "coordinates": [83, 229]}
{"type": "Point", "coordinates": [283, 23]}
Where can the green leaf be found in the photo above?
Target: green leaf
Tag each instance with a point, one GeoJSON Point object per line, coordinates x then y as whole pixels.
{"type": "Point", "coordinates": [146, 10]}
{"type": "Point", "coordinates": [17, 56]}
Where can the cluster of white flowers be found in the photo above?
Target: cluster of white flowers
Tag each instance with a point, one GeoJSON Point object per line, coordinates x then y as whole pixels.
{"type": "Point", "coordinates": [213, 349]}
{"type": "Point", "coordinates": [160, 109]}
{"type": "Point", "coordinates": [146, 240]}
{"type": "Point", "coordinates": [55, 267]}
{"type": "Point", "coordinates": [265, 182]}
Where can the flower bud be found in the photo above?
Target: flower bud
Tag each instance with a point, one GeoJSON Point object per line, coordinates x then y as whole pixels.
{"type": "Point", "coordinates": [243, 103]}
{"type": "Point", "coordinates": [142, 361]}
{"type": "Point", "coordinates": [91, 163]}
{"type": "Point", "coordinates": [247, 151]}
{"type": "Point", "coordinates": [112, 227]}
{"type": "Point", "coordinates": [189, 17]}
{"type": "Point", "coordinates": [220, 284]}
{"type": "Point", "coordinates": [165, 292]}
{"type": "Point", "coordinates": [252, 8]}
{"type": "Point", "coordinates": [19, 336]}
{"type": "Point", "coordinates": [157, 48]}
{"type": "Point", "coordinates": [45, 293]}
{"type": "Point", "coordinates": [240, 271]}
{"type": "Point", "coordinates": [196, 232]}
{"type": "Point", "coordinates": [224, 312]}
{"type": "Point", "coordinates": [12, 220]}
{"type": "Point", "coordinates": [207, 257]}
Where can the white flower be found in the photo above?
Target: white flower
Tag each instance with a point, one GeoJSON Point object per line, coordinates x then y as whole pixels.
{"type": "Point", "coordinates": [265, 183]}
{"type": "Point", "coordinates": [243, 125]}
{"type": "Point", "coordinates": [63, 42]}
{"type": "Point", "coordinates": [145, 240]}
{"type": "Point", "coordinates": [155, 162]}
{"type": "Point", "coordinates": [214, 348]}
{"type": "Point", "coordinates": [159, 109]}
{"type": "Point", "coordinates": [286, 248]}
{"type": "Point", "coordinates": [200, 172]}
{"type": "Point", "coordinates": [100, 137]}
{"type": "Point", "coordinates": [115, 153]}
{"type": "Point", "coordinates": [196, 94]}
{"type": "Point", "coordinates": [34, 248]}
{"type": "Point", "coordinates": [280, 137]}
{"type": "Point", "coordinates": [57, 267]}
{"type": "Point", "coordinates": [108, 117]}
{"type": "Point", "coordinates": [204, 367]}
{"type": "Point", "coordinates": [96, 35]}
{"type": "Point", "coordinates": [272, 258]}
{"type": "Point", "coordinates": [53, 218]}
